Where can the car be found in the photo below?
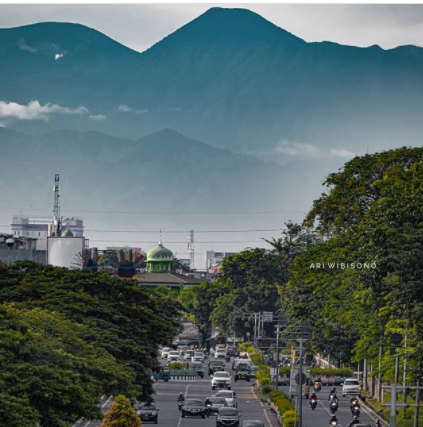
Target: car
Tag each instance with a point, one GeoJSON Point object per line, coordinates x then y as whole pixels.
{"type": "Point", "coordinates": [173, 356]}
{"type": "Point", "coordinates": [243, 367]}
{"type": "Point", "coordinates": [165, 352]}
{"type": "Point", "coordinates": [220, 353]}
{"type": "Point", "coordinates": [215, 366]}
{"type": "Point", "coordinates": [183, 349]}
{"type": "Point", "coordinates": [188, 355]}
{"type": "Point", "coordinates": [227, 417]}
{"type": "Point", "coordinates": [242, 374]}
{"type": "Point", "coordinates": [193, 408]}
{"type": "Point", "coordinates": [252, 423]}
{"type": "Point", "coordinates": [198, 357]}
{"type": "Point", "coordinates": [253, 370]}
{"type": "Point", "coordinates": [351, 387]}
{"type": "Point", "coordinates": [148, 413]}
{"type": "Point", "coordinates": [221, 379]}
{"type": "Point", "coordinates": [237, 362]}
{"type": "Point", "coordinates": [232, 351]}
{"type": "Point", "coordinates": [217, 403]}
{"type": "Point", "coordinates": [229, 396]}
{"type": "Point", "coordinates": [196, 366]}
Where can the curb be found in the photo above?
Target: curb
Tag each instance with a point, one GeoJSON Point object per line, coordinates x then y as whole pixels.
{"type": "Point", "coordinates": [372, 413]}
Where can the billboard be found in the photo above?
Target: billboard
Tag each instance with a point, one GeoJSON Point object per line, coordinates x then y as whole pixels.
{"type": "Point", "coordinates": [62, 251]}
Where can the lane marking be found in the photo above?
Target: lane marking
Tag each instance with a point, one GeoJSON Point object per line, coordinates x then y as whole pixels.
{"type": "Point", "coordinates": [264, 410]}
{"type": "Point", "coordinates": [102, 407]}
{"type": "Point", "coordinates": [186, 395]}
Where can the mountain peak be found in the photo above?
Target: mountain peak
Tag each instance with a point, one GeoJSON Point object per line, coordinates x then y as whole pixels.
{"type": "Point", "coordinates": [223, 27]}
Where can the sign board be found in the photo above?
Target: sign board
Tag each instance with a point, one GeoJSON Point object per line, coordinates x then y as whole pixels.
{"type": "Point", "coordinates": [296, 379]}
{"type": "Point", "coordinates": [267, 316]}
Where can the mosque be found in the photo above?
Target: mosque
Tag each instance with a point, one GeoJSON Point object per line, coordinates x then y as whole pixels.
{"type": "Point", "coordinates": [159, 270]}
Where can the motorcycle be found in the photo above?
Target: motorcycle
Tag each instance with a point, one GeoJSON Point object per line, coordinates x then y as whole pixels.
{"type": "Point", "coordinates": [355, 410]}
{"type": "Point", "coordinates": [180, 404]}
{"type": "Point", "coordinates": [208, 409]}
{"type": "Point", "coordinates": [313, 404]}
{"type": "Point", "coordinates": [317, 386]}
{"type": "Point", "coordinates": [354, 421]}
{"type": "Point", "coordinates": [333, 407]}
{"type": "Point", "coordinates": [228, 358]}
{"type": "Point", "coordinates": [333, 422]}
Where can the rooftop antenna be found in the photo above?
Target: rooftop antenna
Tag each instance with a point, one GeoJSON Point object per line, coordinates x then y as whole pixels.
{"type": "Point", "coordinates": [160, 236]}
{"type": "Point", "coordinates": [57, 221]}
{"type": "Point", "coordinates": [191, 249]}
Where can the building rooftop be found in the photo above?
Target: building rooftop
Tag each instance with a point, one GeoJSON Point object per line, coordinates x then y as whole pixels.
{"type": "Point", "coordinates": [167, 279]}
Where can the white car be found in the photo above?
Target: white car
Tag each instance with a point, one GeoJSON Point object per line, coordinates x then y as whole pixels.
{"type": "Point", "coordinates": [173, 356]}
{"type": "Point", "coordinates": [183, 350]}
{"type": "Point", "coordinates": [221, 377]}
{"type": "Point", "coordinates": [229, 396]}
{"type": "Point", "coordinates": [165, 352]}
{"type": "Point", "coordinates": [351, 387]}
{"type": "Point", "coordinates": [198, 357]}
{"type": "Point", "coordinates": [188, 355]}
{"type": "Point", "coordinates": [220, 353]}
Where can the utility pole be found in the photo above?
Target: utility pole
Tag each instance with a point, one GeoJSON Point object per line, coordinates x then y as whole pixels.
{"type": "Point", "coordinates": [255, 330]}
{"type": "Point", "coordinates": [416, 413]}
{"type": "Point", "coordinates": [300, 388]}
{"type": "Point", "coordinates": [278, 329]}
{"type": "Point", "coordinates": [404, 374]}
{"type": "Point", "coordinates": [396, 368]}
{"type": "Point", "coordinates": [379, 385]}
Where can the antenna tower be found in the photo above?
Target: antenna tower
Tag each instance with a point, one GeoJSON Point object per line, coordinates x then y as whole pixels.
{"type": "Point", "coordinates": [57, 221]}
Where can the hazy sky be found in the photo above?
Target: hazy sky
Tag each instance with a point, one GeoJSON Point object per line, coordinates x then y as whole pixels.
{"type": "Point", "coordinates": [141, 25]}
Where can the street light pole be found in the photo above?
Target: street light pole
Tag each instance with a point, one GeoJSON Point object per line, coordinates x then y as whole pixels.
{"type": "Point", "coordinates": [277, 357]}
{"type": "Point", "coordinates": [300, 401]}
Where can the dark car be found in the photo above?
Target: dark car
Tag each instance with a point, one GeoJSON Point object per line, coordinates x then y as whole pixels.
{"type": "Point", "coordinates": [243, 367]}
{"type": "Point", "coordinates": [148, 413]}
{"type": "Point", "coordinates": [242, 374]}
{"type": "Point", "coordinates": [252, 423]}
{"type": "Point", "coordinates": [216, 366]}
{"type": "Point", "coordinates": [232, 351]}
{"type": "Point", "coordinates": [216, 404]}
{"type": "Point", "coordinates": [193, 408]}
{"type": "Point", "coordinates": [196, 366]}
{"type": "Point", "coordinates": [227, 417]}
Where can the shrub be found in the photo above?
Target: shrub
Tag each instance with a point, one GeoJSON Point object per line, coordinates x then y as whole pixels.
{"type": "Point", "coordinates": [176, 366]}
{"type": "Point", "coordinates": [244, 346]}
{"type": "Point", "coordinates": [284, 405]}
{"type": "Point", "coordinates": [343, 373]}
{"type": "Point", "coordinates": [121, 414]}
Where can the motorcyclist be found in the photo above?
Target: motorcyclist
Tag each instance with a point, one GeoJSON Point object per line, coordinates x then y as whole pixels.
{"type": "Point", "coordinates": [354, 401]}
{"type": "Point", "coordinates": [207, 404]}
{"type": "Point", "coordinates": [355, 420]}
{"type": "Point", "coordinates": [333, 397]}
{"type": "Point", "coordinates": [378, 423]}
{"type": "Point", "coordinates": [333, 420]}
{"type": "Point", "coordinates": [313, 396]}
{"type": "Point", "coordinates": [181, 397]}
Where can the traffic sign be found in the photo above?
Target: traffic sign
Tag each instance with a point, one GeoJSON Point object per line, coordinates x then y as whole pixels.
{"type": "Point", "coordinates": [298, 379]}
{"type": "Point", "coordinates": [267, 316]}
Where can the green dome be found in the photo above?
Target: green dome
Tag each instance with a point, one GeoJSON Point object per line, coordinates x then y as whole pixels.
{"type": "Point", "coordinates": [67, 233]}
{"type": "Point", "coordinates": [159, 253]}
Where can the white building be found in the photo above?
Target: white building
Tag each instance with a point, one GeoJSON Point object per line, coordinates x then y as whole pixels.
{"type": "Point", "coordinates": [37, 228]}
{"type": "Point", "coordinates": [215, 258]}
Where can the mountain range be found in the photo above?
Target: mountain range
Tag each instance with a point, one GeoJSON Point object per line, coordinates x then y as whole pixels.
{"type": "Point", "coordinates": [229, 78]}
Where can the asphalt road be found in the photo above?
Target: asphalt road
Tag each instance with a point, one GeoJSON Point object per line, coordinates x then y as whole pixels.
{"type": "Point", "coordinates": [249, 405]}
{"type": "Point", "coordinates": [321, 415]}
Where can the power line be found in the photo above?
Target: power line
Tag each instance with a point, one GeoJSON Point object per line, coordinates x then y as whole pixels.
{"type": "Point", "coordinates": [184, 231]}
{"type": "Point", "coordinates": [159, 212]}
{"type": "Point", "coordinates": [171, 242]}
